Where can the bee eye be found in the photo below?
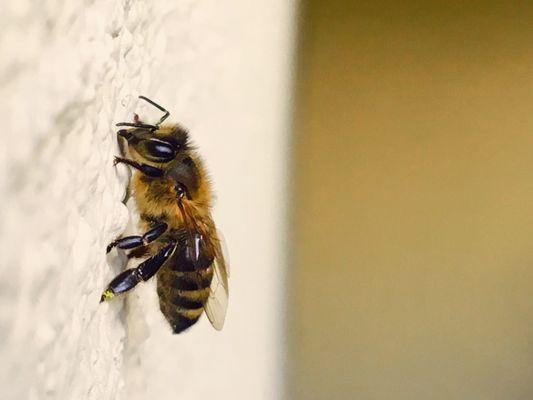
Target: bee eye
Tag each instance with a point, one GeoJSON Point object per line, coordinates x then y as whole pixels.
{"type": "Point", "coordinates": [158, 150]}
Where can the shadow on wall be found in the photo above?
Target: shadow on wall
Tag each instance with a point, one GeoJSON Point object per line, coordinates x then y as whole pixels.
{"type": "Point", "coordinates": [412, 267]}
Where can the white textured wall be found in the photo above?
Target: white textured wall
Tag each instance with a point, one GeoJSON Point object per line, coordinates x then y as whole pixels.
{"type": "Point", "coordinates": [69, 70]}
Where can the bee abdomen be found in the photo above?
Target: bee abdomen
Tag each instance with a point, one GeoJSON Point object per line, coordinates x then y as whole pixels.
{"type": "Point", "coordinates": [189, 299]}
{"type": "Point", "coordinates": [182, 296]}
{"type": "Point", "coordinates": [188, 307]}
{"type": "Point", "coordinates": [179, 280]}
{"type": "Point", "coordinates": [180, 318]}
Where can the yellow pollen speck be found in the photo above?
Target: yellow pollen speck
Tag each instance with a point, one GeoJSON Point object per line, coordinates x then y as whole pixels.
{"type": "Point", "coordinates": [108, 294]}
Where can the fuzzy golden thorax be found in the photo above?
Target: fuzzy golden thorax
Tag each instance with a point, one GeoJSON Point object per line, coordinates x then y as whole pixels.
{"type": "Point", "coordinates": [158, 198]}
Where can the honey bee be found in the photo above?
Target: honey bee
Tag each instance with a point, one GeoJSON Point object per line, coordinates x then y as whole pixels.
{"type": "Point", "coordinates": [184, 249]}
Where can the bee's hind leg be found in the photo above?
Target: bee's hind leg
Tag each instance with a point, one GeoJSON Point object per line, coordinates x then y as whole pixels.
{"type": "Point", "coordinates": [128, 279]}
{"type": "Point", "coordinates": [132, 242]}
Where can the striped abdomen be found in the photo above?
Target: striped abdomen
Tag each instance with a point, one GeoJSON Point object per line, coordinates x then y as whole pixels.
{"type": "Point", "coordinates": [183, 290]}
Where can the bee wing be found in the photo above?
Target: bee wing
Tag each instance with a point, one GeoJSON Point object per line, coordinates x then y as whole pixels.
{"type": "Point", "coordinates": [217, 303]}
{"type": "Point", "coordinates": [224, 251]}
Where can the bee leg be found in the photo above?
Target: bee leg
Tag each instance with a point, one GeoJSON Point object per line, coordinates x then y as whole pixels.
{"type": "Point", "coordinates": [131, 242]}
{"type": "Point", "coordinates": [146, 169]}
{"type": "Point", "coordinates": [128, 279]}
{"type": "Point", "coordinates": [139, 252]}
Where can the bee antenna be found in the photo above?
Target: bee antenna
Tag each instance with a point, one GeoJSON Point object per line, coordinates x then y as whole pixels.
{"type": "Point", "coordinates": [164, 117]}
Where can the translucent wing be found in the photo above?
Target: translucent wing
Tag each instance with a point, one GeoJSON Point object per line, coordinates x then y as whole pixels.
{"type": "Point", "coordinates": [224, 251]}
{"type": "Point", "coordinates": [216, 305]}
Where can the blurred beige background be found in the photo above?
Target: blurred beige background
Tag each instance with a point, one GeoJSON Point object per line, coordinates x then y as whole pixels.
{"type": "Point", "coordinates": [411, 270]}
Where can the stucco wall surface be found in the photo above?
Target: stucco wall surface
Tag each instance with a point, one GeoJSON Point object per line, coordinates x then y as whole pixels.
{"type": "Point", "coordinates": [70, 70]}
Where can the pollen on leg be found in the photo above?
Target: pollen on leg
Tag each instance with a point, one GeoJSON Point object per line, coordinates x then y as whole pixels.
{"type": "Point", "coordinates": [108, 294]}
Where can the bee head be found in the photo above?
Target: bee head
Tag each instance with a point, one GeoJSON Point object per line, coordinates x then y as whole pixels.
{"type": "Point", "coordinates": [159, 146]}
{"type": "Point", "coordinates": [168, 148]}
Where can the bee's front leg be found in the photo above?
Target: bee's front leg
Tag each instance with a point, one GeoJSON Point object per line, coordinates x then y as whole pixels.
{"type": "Point", "coordinates": [132, 242]}
{"type": "Point", "coordinates": [148, 170]}
{"type": "Point", "coordinates": [128, 279]}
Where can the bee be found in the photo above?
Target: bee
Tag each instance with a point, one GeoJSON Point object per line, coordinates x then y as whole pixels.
{"type": "Point", "coordinates": [184, 249]}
